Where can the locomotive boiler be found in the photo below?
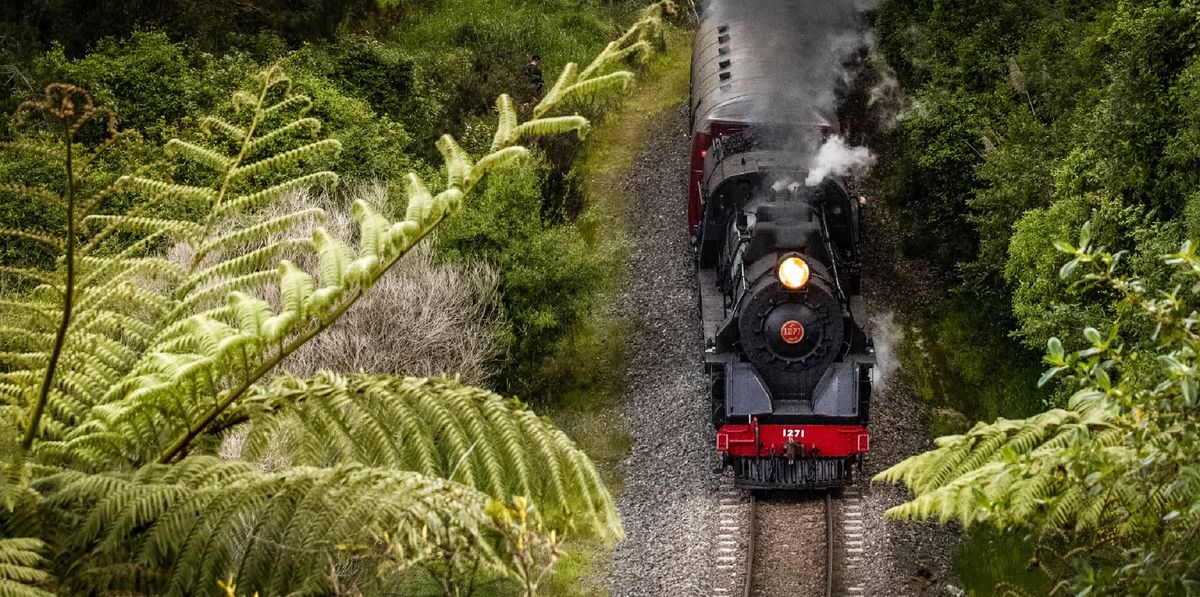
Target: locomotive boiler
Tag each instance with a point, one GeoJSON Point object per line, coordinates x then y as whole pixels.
{"type": "Point", "coordinates": [777, 249]}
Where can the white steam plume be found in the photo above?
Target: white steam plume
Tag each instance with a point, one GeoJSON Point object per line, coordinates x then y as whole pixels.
{"type": "Point", "coordinates": [835, 158]}
{"type": "Point", "coordinates": [887, 335]}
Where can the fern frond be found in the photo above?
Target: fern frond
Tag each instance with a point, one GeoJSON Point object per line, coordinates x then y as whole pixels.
{"type": "Point", "coordinates": [616, 53]}
{"type": "Point", "coordinates": [252, 234]}
{"type": "Point", "coordinates": [179, 228]}
{"type": "Point", "coordinates": [984, 473]}
{"type": "Point", "coordinates": [434, 427]}
{"type": "Point", "coordinates": [255, 260]}
{"type": "Point", "coordinates": [299, 103]}
{"type": "Point", "coordinates": [325, 148]}
{"type": "Point", "coordinates": [120, 292]}
{"type": "Point", "coordinates": [599, 86]}
{"type": "Point", "coordinates": [21, 568]}
{"type": "Point", "coordinates": [458, 162]}
{"type": "Point", "coordinates": [214, 124]}
{"type": "Point", "coordinates": [200, 155]}
{"type": "Point", "coordinates": [495, 160]}
{"type": "Point", "coordinates": [419, 200]}
{"type": "Point", "coordinates": [335, 258]}
{"type": "Point", "coordinates": [275, 533]}
{"type": "Point", "coordinates": [551, 126]}
{"type": "Point", "coordinates": [554, 96]}
{"type": "Point", "coordinates": [245, 202]}
{"type": "Point", "coordinates": [309, 126]}
{"type": "Point", "coordinates": [165, 190]}
{"type": "Point", "coordinates": [506, 123]}
{"type": "Point", "coordinates": [221, 289]}
{"type": "Point", "coordinates": [125, 265]}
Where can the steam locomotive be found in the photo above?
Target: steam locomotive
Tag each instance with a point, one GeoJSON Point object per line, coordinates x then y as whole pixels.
{"type": "Point", "coordinates": [788, 359]}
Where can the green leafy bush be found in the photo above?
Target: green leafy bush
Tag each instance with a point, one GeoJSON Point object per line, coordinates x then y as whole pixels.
{"type": "Point", "coordinates": [549, 272]}
{"type": "Point", "coordinates": [1027, 119]}
{"type": "Point", "coordinates": [156, 85]}
{"type": "Point", "coordinates": [1108, 487]}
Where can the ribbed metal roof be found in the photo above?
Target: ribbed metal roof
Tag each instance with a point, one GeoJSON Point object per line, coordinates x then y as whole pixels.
{"type": "Point", "coordinates": [771, 61]}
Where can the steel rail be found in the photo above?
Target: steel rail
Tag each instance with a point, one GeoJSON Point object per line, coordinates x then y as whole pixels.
{"type": "Point", "coordinates": [828, 545]}
{"type": "Point", "coordinates": [749, 588]}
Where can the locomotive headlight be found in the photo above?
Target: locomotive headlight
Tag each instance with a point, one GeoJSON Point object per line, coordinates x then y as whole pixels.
{"type": "Point", "coordinates": [793, 273]}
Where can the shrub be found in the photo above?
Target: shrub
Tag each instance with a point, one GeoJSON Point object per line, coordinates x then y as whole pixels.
{"type": "Point", "coordinates": [156, 85]}
{"type": "Point", "coordinates": [549, 273]}
{"type": "Point", "coordinates": [1107, 487]}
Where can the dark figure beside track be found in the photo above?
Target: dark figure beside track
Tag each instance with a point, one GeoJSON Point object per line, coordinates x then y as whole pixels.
{"type": "Point", "coordinates": [533, 72]}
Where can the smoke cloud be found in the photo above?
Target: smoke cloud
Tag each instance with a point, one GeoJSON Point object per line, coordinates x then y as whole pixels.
{"type": "Point", "coordinates": [801, 49]}
{"type": "Point", "coordinates": [887, 336]}
{"type": "Point", "coordinates": [885, 99]}
{"type": "Point", "coordinates": [835, 158]}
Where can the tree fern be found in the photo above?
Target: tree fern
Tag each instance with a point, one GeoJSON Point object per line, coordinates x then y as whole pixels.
{"type": "Point", "coordinates": [20, 568]}
{"type": "Point", "coordinates": [434, 427]}
{"type": "Point", "coordinates": [154, 340]}
{"type": "Point", "coordinates": [192, 373]}
{"type": "Point", "coordinates": [1110, 479]}
{"type": "Point", "coordinates": [178, 529]}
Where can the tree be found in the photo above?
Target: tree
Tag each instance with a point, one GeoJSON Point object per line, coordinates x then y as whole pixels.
{"type": "Point", "coordinates": [1109, 485]}
{"type": "Point", "coordinates": [138, 385]}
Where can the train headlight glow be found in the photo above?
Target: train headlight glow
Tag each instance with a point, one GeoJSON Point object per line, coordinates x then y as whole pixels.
{"type": "Point", "coordinates": [793, 273]}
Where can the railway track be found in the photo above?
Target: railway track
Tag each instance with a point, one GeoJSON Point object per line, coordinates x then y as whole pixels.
{"type": "Point", "coordinates": [790, 546]}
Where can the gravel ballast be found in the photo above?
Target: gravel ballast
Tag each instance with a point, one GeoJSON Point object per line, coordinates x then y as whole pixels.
{"type": "Point", "coordinates": [668, 504]}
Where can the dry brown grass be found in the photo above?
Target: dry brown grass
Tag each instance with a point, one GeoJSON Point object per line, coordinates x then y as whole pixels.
{"type": "Point", "coordinates": [423, 318]}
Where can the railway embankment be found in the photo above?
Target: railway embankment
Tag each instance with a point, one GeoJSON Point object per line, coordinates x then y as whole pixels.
{"type": "Point", "coordinates": [641, 417]}
{"type": "Point", "coordinates": [637, 167]}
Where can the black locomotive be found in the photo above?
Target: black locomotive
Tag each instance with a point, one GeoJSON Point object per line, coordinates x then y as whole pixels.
{"type": "Point", "coordinates": [777, 246]}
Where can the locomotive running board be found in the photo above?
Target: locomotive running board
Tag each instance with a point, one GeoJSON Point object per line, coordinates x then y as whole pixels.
{"type": "Point", "coordinates": [801, 473]}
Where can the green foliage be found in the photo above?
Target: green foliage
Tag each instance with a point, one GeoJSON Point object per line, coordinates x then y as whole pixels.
{"type": "Point", "coordinates": [549, 272]}
{"type": "Point", "coordinates": [1006, 564]}
{"type": "Point", "coordinates": [480, 439]}
{"type": "Point", "coordinates": [174, 529]}
{"type": "Point", "coordinates": [20, 570]}
{"type": "Point", "coordinates": [953, 359]}
{"type": "Point", "coordinates": [147, 348]}
{"type": "Point", "coordinates": [1027, 119]}
{"type": "Point", "coordinates": [213, 25]}
{"type": "Point", "coordinates": [1108, 485]}
{"type": "Point", "coordinates": [140, 372]}
{"type": "Point", "coordinates": [149, 80]}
